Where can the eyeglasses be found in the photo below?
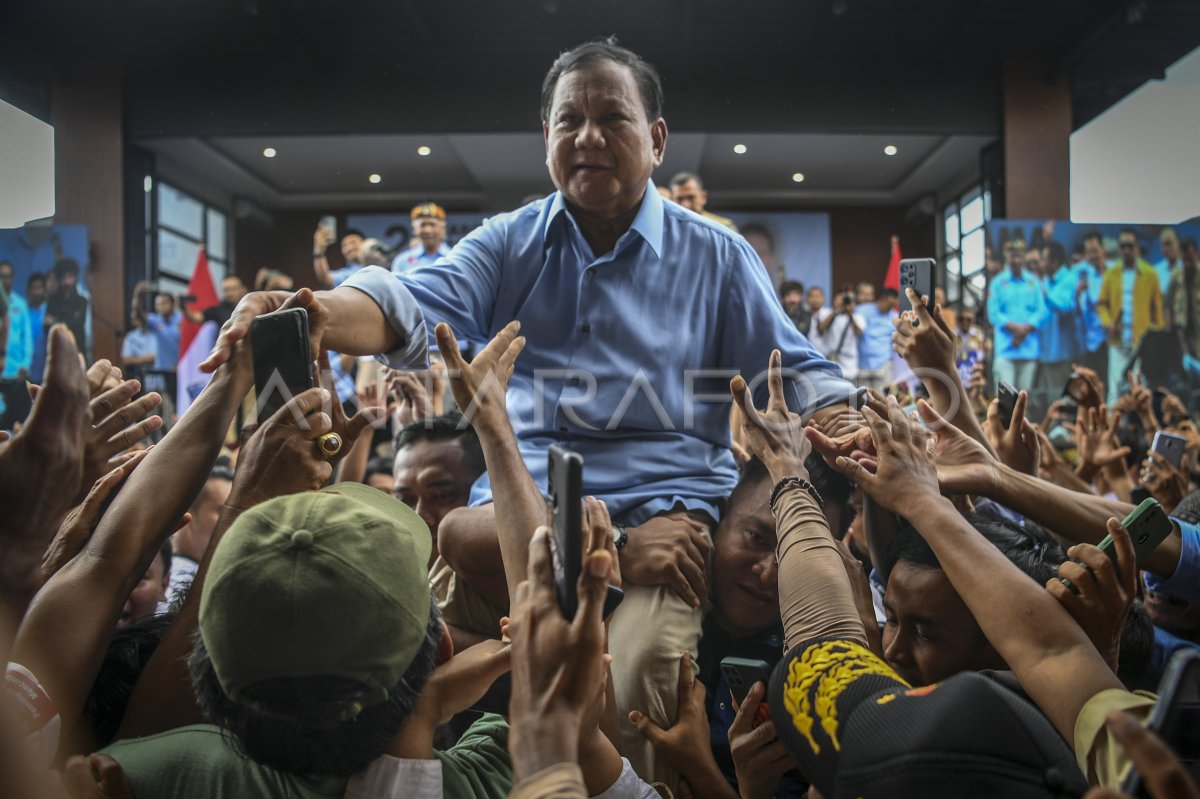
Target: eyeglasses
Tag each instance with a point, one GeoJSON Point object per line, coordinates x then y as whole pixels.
{"type": "Point", "coordinates": [1127, 245]}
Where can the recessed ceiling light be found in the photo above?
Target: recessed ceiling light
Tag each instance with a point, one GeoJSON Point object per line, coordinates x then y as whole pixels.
{"type": "Point", "coordinates": [423, 150]}
{"type": "Point", "coordinates": [890, 150]}
{"type": "Point", "coordinates": [740, 149]}
{"type": "Point", "coordinates": [374, 178]}
{"type": "Point", "coordinates": [798, 177]}
{"type": "Point", "coordinates": [269, 152]}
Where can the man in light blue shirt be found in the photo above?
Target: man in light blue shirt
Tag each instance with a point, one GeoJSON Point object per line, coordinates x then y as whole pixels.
{"type": "Point", "coordinates": [1016, 309]}
{"type": "Point", "coordinates": [1058, 335]}
{"type": "Point", "coordinates": [352, 242]}
{"type": "Point", "coordinates": [429, 228]}
{"type": "Point", "coordinates": [636, 313]}
{"type": "Point", "coordinates": [1089, 277]}
{"type": "Point", "coordinates": [18, 350]}
{"type": "Point", "coordinates": [875, 345]}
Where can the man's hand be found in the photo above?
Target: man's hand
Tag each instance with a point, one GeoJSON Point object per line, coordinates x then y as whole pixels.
{"type": "Point", "coordinates": [419, 395]}
{"type": "Point", "coordinates": [924, 339]}
{"type": "Point", "coordinates": [1095, 433]}
{"type": "Point", "coordinates": [481, 386]}
{"type": "Point", "coordinates": [688, 739]}
{"type": "Point", "coordinates": [118, 422]}
{"type": "Point", "coordinates": [102, 376]}
{"type": "Point", "coordinates": [1103, 591]}
{"type": "Point", "coordinates": [1164, 482]}
{"type": "Point", "coordinates": [257, 303]}
{"type": "Point", "coordinates": [556, 665]}
{"type": "Point", "coordinates": [322, 240]}
{"type": "Point", "coordinates": [457, 684]}
{"type": "Point", "coordinates": [281, 457]}
{"type": "Point", "coordinates": [759, 758]}
{"type": "Point", "coordinates": [775, 435]}
{"type": "Point", "coordinates": [1018, 445]}
{"type": "Point", "coordinates": [1163, 776]}
{"type": "Point", "coordinates": [670, 549]}
{"type": "Point", "coordinates": [348, 429]}
{"type": "Point", "coordinates": [1093, 389]}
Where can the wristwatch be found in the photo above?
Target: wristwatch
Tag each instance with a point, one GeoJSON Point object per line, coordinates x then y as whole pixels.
{"type": "Point", "coordinates": [620, 536]}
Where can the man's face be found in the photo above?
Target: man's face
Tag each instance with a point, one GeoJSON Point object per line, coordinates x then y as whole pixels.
{"type": "Point", "coordinates": [150, 590]}
{"type": "Point", "coordinates": [792, 300]}
{"type": "Point", "coordinates": [600, 148]}
{"type": "Point", "coordinates": [7, 277]}
{"type": "Point", "coordinates": [164, 305]}
{"type": "Point", "coordinates": [966, 320]}
{"type": "Point", "coordinates": [1129, 248]}
{"type": "Point", "coordinates": [1033, 261]}
{"type": "Point", "coordinates": [433, 478]}
{"type": "Point", "coordinates": [690, 196]}
{"type": "Point", "coordinates": [887, 302]}
{"type": "Point", "coordinates": [762, 246]}
{"type": "Point", "coordinates": [1094, 253]}
{"type": "Point", "coordinates": [1016, 256]}
{"type": "Point", "coordinates": [816, 299]}
{"type": "Point", "coordinates": [865, 293]}
{"type": "Point", "coordinates": [351, 247]}
{"type": "Point", "coordinates": [232, 290]}
{"type": "Point", "coordinates": [431, 232]}
{"type": "Point", "coordinates": [1170, 247]}
{"type": "Point", "coordinates": [35, 292]}
{"type": "Point", "coordinates": [930, 635]}
{"type": "Point", "coordinates": [745, 574]}
{"type": "Point", "coordinates": [381, 481]}
{"type": "Point", "coordinates": [208, 510]}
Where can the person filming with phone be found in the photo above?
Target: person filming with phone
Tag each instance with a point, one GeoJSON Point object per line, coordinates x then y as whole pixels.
{"type": "Point", "coordinates": [838, 329]}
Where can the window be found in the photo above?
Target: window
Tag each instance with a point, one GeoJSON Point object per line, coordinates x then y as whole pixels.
{"type": "Point", "coordinates": [182, 224]}
{"type": "Point", "coordinates": [964, 247]}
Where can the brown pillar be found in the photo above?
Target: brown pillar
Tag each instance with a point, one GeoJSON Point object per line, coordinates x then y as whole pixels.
{"type": "Point", "coordinates": [1037, 131]}
{"type": "Point", "coordinates": [88, 180]}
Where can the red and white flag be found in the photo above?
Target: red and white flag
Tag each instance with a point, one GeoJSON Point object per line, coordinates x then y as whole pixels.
{"type": "Point", "coordinates": [195, 340]}
{"type": "Point", "coordinates": [892, 279]}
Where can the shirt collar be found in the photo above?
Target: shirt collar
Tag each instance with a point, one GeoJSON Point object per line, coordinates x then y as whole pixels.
{"type": "Point", "coordinates": [648, 223]}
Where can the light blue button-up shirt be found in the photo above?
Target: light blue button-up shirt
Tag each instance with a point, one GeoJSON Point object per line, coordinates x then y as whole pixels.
{"type": "Point", "coordinates": [875, 344]}
{"type": "Point", "coordinates": [1017, 300]}
{"type": "Point", "coordinates": [1184, 582]}
{"type": "Point", "coordinates": [1059, 334]}
{"type": "Point", "coordinates": [166, 331]}
{"type": "Point", "coordinates": [628, 354]}
{"type": "Point", "coordinates": [18, 351]}
{"type": "Point", "coordinates": [416, 256]}
{"type": "Point", "coordinates": [339, 276]}
{"type": "Point", "coordinates": [1092, 331]}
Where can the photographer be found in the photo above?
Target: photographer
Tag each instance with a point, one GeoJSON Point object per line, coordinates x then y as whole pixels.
{"type": "Point", "coordinates": [837, 331]}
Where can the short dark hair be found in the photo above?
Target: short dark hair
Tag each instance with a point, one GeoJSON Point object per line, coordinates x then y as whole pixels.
{"type": "Point", "coordinates": [1190, 241]}
{"type": "Point", "coordinates": [127, 655]}
{"type": "Point", "coordinates": [1030, 549]}
{"type": "Point", "coordinates": [66, 266]}
{"type": "Point", "coordinates": [352, 231]}
{"type": "Point", "coordinates": [378, 465]}
{"type": "Point", "coordinates": [35, 277]}
{"type": "Point", "coordinates": [449, 426]}
{"type": "Point", "coordinates": [887, 291]}
{"type": "Point", "coordinates": [683, 177]}
{"type": "Point", "coordinates": [1056, 253]}
{"type": "Point", "coordinates": [167, 552]}
{"type": "Point", "coordinates": [295, 724]}
{"type": "Point", "coordinates": [790, 285]}
{"type": "Point", "coordinates": [760, 229]}
{"type": "Point", "coordinates": [1093, 234]}
{"type": "Point", "coordinates": [598, 51]}
{"type": "Point", "coordinates": [834, 487]}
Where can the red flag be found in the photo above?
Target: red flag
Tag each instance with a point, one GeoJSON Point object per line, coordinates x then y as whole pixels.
{"type": "Point", "coordinates": [892, 281]}
{"type": "Point", "coordinates": [201, 287]}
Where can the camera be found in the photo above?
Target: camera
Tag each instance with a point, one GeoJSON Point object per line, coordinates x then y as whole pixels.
{"type": "Point", "coordinates": [846, 299]}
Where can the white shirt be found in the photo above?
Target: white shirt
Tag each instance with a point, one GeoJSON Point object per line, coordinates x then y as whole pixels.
{"type": "Point", "coordinates": [389, 777]}
{"type": "Point", "coordinates": [845, 355]}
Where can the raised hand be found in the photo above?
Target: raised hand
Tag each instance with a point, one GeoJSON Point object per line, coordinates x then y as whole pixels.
{"type": "Point", "coordinates": [1164, 482]}
{"type": "Point", "coordinates": [1093, 389]}
{"type": "Point", "coordinates": [257, 303]}
{"type": "Point", "coordinates": [684, 743]}
{"type": "Point", "coordinates": [419, 395]}
{"type": "Point", "coordinates": [1017, 446]}
{"type": "Point", "coordinates": [759, 758]}
{"type": "Point", "coordinates": [117, 423]}
{"type": "Point", "coordinates": [347, 430]}
{"type": "Point", "coordinates": [1095, 434]}
{"type": "Point", "coordinates": [481, 386]}
{"type": "Point", "coordinates": [670, 549]}
{"type": "Point", "coordinates": [923, 338]}
{"type": "Point", "coordinates": [1103, 590]}
{"type": "Point", "coordinates": [775, 435]}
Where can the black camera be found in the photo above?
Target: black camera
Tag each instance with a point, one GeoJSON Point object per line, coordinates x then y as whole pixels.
{"type": "Point", "coordinates": [847, 299]}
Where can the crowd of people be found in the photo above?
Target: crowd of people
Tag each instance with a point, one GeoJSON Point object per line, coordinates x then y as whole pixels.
{"type": "Point", "coordinates": [359, 594]}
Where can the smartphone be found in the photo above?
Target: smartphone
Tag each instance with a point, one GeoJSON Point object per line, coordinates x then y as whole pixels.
{"type": "Point", "coordinates": [740, 675]}
{"type": "Point", "coordinates": [916, 273]}
{"type": "Point", "coordinates": [1076, 387]}
{"type": "Point", "coordinates": [1148, 526]}
{"type": "Point", "coordinates": [1170, 446]}
{"type": "Point", "coordinates": [283, 362]}
{"type": "Point", "coordinates": [566, 504]}
{"type": "Point", "coordinates": [1176, 715]}
{"type": "Point", "coordinates": [1007, 396]}
{"type": "Point", "coordinates": [329, 222]}
{"type": "Point", "coordinates": [148, 295]}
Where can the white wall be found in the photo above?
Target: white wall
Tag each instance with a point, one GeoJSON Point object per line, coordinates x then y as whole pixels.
{"type": "Point", "coordinates": [1139, 161]}
{"type": "Point", "coordinates": [26, 167]}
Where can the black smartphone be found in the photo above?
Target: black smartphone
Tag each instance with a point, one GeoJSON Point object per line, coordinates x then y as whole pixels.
{"type": "Point", "coordinates": [1007, 396]}
{"type": "Point", "coordinates": [566, 503]}
{"type": "Point", "coordinates": [916, 273]}
{"type": "Point", "coordinates": [1170, 446]}
{"type": "Point", "coordinates": [1176, 715]}
{"type": "Point", "coordinates": [740, 675]}
{"type": "Point", "coordinates": [1076, 387]}
{"type": "Point", "coordinates": [283, 362]}
{"type": "Point", "coordinates": [1147, 525]}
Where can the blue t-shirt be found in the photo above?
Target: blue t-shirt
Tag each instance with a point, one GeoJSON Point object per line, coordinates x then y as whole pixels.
{"type": "Point", "coordinates": [166, 333]}
{"type": "Point", "coordinates": [875, 344]}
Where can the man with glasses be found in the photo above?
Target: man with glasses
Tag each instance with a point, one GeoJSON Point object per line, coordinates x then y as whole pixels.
{"type": "Point", "coordinates": [1130, 303]}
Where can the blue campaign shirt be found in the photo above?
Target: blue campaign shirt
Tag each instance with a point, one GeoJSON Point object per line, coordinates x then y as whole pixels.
{"type": "Point", "coordinates": [875, 344]}
{"type": "Point", "coordinates": [37, 328]}
{"type": "Point", "coordinates": [166, 333]}
{"type": "Point", "coordinates": [416, 256]}
{"type": "Point", "coordinates": [1017, 300]}
{"type": "Point", "coordinates": [1185, 581]}
{"type": "Point", "coordinates": [1059, 335]}
{"type": "Point", "coordinates": [628, 355]}
{"type": "Point", "coordinates": [1091, 330]}
{"type": "Point", "coordinates": [339, 276]}
{"type": "Point", "coordinates": [18, 351]}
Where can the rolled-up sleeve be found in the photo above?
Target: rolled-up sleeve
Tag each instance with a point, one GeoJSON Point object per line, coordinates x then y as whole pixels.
{"type": "Point", "coordinates": [1184, 583]}
{"type": "Point", "coordinates": [402, 312]}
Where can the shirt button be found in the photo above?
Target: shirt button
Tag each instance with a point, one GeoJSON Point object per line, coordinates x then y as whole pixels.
{"type": "Point", "coordinates": [585, 328]}
{"type": "Point", "coordinates": [574, 381]}
{"type": "Point", "coordinates": [591, 272]}
{"type": "Point", "coordinates": [562, 430]}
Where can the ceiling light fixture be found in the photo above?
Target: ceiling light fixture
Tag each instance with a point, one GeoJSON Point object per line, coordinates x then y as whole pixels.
{"type": "Point", "coordinates": [423, 150]}
{"type": "Point", "coordinates": [269, 152]}
{"type": "Point", "coordinates": [740, 149]}
{"type": "Point", "coordinates": [374, 178]}
{"type": "Point", "coordinates": [798, 177]}
{"type": "Point", "coordinates": [890, 150]}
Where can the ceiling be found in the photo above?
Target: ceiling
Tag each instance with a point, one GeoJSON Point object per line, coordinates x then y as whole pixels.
{"type": "Point", "coordinates": [492, 171]}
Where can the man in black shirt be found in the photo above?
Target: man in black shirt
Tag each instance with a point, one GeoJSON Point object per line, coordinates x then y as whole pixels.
{"type": "Point", "coordinates": [232, 291]}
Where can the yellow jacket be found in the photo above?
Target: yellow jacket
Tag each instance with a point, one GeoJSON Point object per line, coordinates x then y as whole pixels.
{"type": "Point", "coordinates": [1147, 301]}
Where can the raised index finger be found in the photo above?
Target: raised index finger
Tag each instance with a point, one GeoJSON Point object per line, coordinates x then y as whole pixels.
{"type": "Point", "coordinates": [776, 400]}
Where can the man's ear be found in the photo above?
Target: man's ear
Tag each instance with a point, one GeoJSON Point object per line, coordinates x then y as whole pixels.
{"type": "Point", "coordinates": [658, 137]}
{"type": "Point", "coordinates": [446, 647]}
